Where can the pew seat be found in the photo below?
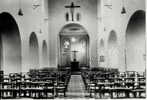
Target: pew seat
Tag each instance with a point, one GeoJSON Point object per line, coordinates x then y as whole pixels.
{"type": "Point", "coordinates": [60, 88]}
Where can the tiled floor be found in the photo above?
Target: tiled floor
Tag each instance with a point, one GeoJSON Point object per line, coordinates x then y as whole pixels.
{"type": "Point", "coordinates": [76, 87]}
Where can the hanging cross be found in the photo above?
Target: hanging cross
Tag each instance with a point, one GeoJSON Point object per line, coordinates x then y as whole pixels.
{"type": "Point", "coordinates": [72, 7]}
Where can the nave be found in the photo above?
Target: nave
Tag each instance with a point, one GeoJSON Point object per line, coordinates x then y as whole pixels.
{"type": "Point", "coordinates": [73, 49]}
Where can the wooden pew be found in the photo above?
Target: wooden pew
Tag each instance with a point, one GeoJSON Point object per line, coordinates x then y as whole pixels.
{"type": "Point", "coordinates": [43, 83]}
{"type": "Point", "coordinates": [1, 80]}
{"type": "Point", "coordinates": [140, 85]}
{"type": "Point", "coordinates": [7, 90]}
{"type": "Point", "coordinates": [61, 86]}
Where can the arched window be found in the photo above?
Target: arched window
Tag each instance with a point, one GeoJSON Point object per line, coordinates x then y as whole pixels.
{"type": "Point", "coordinates": [67, 16]}
{"type": "Point", "coordinates": [78, 17]}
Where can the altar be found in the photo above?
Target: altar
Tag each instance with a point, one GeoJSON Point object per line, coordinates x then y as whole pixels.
{"type": "Point", "coordinates": [75, 63]}
{"type": "Point", "coordinates": [75, 66]}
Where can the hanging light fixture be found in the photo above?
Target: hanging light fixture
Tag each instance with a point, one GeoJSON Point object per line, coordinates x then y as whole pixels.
{"type": "Point", "coordinates": [20, 12]}
{"type": "Point", "coordinates": [123, 11]}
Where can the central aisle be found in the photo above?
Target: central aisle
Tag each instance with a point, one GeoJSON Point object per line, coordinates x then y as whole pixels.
{"type": "Point", "coordinates": [76, 87]}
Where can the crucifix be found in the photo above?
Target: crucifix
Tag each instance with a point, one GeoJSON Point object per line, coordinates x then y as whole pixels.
{"type": "Point", "coordinates": [74, 55]}
{"type": "Point", "coordinates": [72, 7]}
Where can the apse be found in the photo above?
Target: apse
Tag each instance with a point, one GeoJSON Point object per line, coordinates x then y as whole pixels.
{"type": "Point", "coordinates": [10, 44]}
{"type": "Point", "coordinates": [135, 42]}
{"type": "Point", "coordinates": [34, 51]}
{"type": "Point", "coordinates": [44, 54]}
{"type": "Point", "coordinates": [112, 50]}
{"type": "Point", "coordinates": [73, 37]}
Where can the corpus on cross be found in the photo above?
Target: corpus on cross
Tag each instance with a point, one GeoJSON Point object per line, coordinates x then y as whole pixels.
{"type": "Point", "coordinates": [72, 7]}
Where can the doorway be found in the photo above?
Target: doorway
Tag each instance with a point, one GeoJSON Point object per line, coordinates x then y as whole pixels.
{"type": "Point", "coordinates": [74, 46]}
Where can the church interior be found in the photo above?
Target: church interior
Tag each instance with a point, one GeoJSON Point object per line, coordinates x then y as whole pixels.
{"type": "Point", "coordinates": [73, 49]}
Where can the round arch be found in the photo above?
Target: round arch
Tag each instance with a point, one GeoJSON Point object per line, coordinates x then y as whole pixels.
{"type": "Point", "coordinates": [10, 44]}
{"type": "Point", "coordinates": [44, 54]}
{"type": "Point", "coordinates": [34, 51]}
{"type": "Point", "coordinates": [73, 29]}
{"type": "Point", "coordinates": [135, 42]}
{"type": "Point", "coordinates": [112, 50]}
{"type": "Point", "coordinates": [76, 38]}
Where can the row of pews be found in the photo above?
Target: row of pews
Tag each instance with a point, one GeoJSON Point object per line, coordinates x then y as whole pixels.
{"type": "Point", "coordinates": [37, 83]}
{"type": "Point", "coordinates": [102, 82]}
